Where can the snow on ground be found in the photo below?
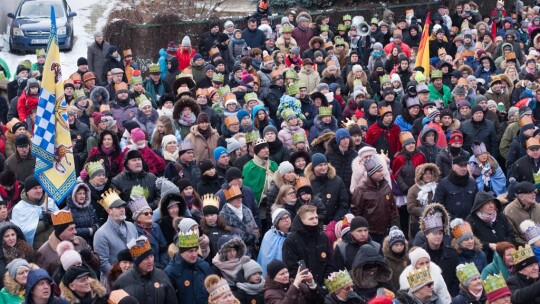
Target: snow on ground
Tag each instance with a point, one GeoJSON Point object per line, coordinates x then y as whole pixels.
{"type": "Point", "coordinates": [91, 16]}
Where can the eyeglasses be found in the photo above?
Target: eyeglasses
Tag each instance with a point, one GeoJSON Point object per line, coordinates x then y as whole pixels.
{"type": "Point", "coordinates": [292, 193]}
{"type": "Point", "coordinates": [147, 213]}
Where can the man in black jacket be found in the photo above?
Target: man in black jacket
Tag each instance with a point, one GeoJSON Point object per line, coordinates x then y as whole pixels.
{"type": "Point", "coordinates": [341, 153]}
{"type": "Point", "coordinates": [147, 283]}
{"type": "Point", "coordinates": [308, 243]}
{"type": "Point", "coordinates": [208, 40]}
{"type": "Point", "coordinates": [524, 283]}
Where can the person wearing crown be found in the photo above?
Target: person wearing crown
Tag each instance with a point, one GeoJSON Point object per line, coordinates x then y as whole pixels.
{"type": "Point", "coordinates": [467, 245]}
{"type": "Point", "coordinates": [323, 123]}
{"type": "Point", "coordinates": [384, 134]}
{"type": "Point", "coordinates": [187, 270]}
{"type": "Point", "coordinates": [64, 230]}
{"type": "Point", "coordinates": [421, 287]}
{"type": "Point", "coordinates": [524, 283]}
{"type": "Point", "coordinates": [147, 283]}
{"type": "Point", "coordinates": [112, 237]}
{"type": "Point", "coordinates": [239, 217]}
{"type": "Point", "coordinates": [340, 289]}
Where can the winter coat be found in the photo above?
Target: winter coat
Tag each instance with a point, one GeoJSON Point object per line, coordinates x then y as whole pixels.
{"type": "Point", "coordinates": [497, 266]}
{"type": "Point", "coordinates": [448, 260]}
{"type": "Point", "coordinates": [376, 203]}
{"type": "Point", "coordinates": [309, 79]}
{"type": "Point", "coordinates": [430, 151]}
{"type": "Point", "coordinates": [22, 167]}
{"type": "Point", "coordinates": [458, 200]}
{"type": "Point", "coordinates": [503, 97]}
{"type": "Point", "coordinates": [155, 163]}
{"type": "Point", "coordinates": [414, 206]}
{"type": "Point", "coordinates": [439, 286]}
{"type": "Point", "coordinates": [242, 227]}
{"type": "Point", "coordinates": [403, 169]}
{"type": "Point", "coordinates": [475, 255]}
{"type": "Point", "coordinates": [113, 163]}
{"type": "Point", "coordinates": [277, 293]}
{"type": "Point", "coordinates": [209, 184]}
{"type": "Point", "coordinates": [445, 94]}
{"type": "Point", "coordinates": [48, 259]}
{"type": "Point", "coordinates": [98, 293]}
{"type": "Point", "coordinates": [287, 132]}
{"type": "Point", "coordinates": [34, 277]}
{"type": "Point", "coordinates": [497, 181]}
{"type": "Point", "coordinates": [184, 57]}
{"type": "Point", "coordinates": [331, 190]}
{"type": "Point", "coordinates": [516, 150]}
{"type": "Point", "coordinates": [127, 179]}
{"type": "Point", "coordinates": [188, 279]}
{"type": "Point", "coordinates": [110, 63]}
{"type": "Point", "coordinates": [279, 152]}
{"type": "Point", "coordinates": [157, 241]}
{"type": "Point", "coordinates": [123, 111]}
{"type": "Point", "coordinates": [524, 290]}
{"type": "Point", "coordinates": [108, 242]}
{"type": "Point", "coordinates": [465, 297]}
{"type": "Point", "coordinates": [524, 168]}
{"type": "Point", "coordinates": [396, 262]}
{"type": "Point", "coordinates": [302, 37]}
{"type": "Point", "coordinates": [84, 216]}
{"type": "Point", "coordinates": [515, 214]}
{"type": "Point", "coordinates": [366, 286]}
{"type": "Point", "coordinates": [273, 191]}
{"type": "Point", "coordinates": [254, 38]}
{"type": "Point", "coordinates": [310, 244]}
{"type": "Point", "coordinates": [345, 250]}
{"type": "Point", "coordinates": [203, 148]}
{"type": "Point", "coordinates": [147, 123]}
{"type": "Point", "coordinates": [483, 131]}
{"type": "Point", "coordinates": [359, 173]}
{"type": "Point", "coordinates": [445, 160]}
{"type": "Point", "coordinates": [153, 288]}
{"type": "Point", "coordinates": [26, 104]}
{"type": "Point", "coordinates": [341, 161]}
{"type": "Point", "coordinates": [271, 248]}
{"type": "Point", "coordinates": [509, 133]}
{"type": "Point", "coordinates": [384, 138]}
{"type": "Point", "coordinates": [191, 171]}
{"type": "Point", "coordinates": [319, 127]}
{"type": "Point", "coordinates": [96, 58]}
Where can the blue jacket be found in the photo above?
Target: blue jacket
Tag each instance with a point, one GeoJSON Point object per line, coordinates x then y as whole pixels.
{"type": "Point", "coordinates": [162, 61]}
{"type": "Point", "coordinates": [254, 39]}
{"type": "Point", "coordinates": [271, 246]}
{"type": "Point", "coordinates": [403, 124]}
{"type": "Point", "coordinates": [157, 241]}
{"type": "Point", "coordinates": [188, 279]}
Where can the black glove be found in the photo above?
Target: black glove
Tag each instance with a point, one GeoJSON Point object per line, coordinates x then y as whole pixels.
{"type": "Point", "coordinates": [46, 218]}
{"type": "Point", "coordinates": [86, 255]}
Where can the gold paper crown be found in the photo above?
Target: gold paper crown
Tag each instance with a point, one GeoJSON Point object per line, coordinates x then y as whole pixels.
{"type": "Point", "coordinates": [384, 110]}
{"type": "Point", "coordinates": [78, 93]}
{"type": "Point", "coordinates": [210, 199]}
{"type": "Point", "coordinates": [436, 74]}
{"type": "Point", "coordinates": [341, 27]}
{"type": "Point", "coordinates": [268, 59]}
{"type": "Point", "coordinates": [419, 277]}
{"type": "Point", "coordinates": [325, 111]}
{"type": "Point", "coordinates": [494, 283]}
{"type": "Point", "coordinates": [140, 99]}
{"type": "Point", "coordinates": [154, 68]}
{"type": "Point", "coordinates": [347, 17]}
{"type": "Point", "coordinates": [286, 28]}
{"type": "Point", "coordinates": [93, 167]}
{"type": "Point", "coordinates": [299, 137]}
{"type": "Point", "coordinates": [136, 80]}
{"type": "Point", "coordinates": [251, 96]}
{"type": "Point", "coordinates": [347, 123]}
{"type": "Point", "coordinates": [62, 217]}
{"type": "Point", "coordinates": [41, 52]}
{"type": "Point", "coordinates": [223, 90]}
{"type": "Point", "coordinates": [139, 246]}
{"type": "Point", "coordinates": [522, 253]}
{"type": "Point", "coordinates": [188, 240]}
{"type": "Point", "coordinates": [291, 74]}
{"type": "Point", "coordinates": [218, 289]}
{"type": "Point", "coordinates": [108, 198]}
{"type": "Point", "coordinates": [2, 75]}
{"type": "Point", "coordinates": [120, 86]}
{"type": "Point", "coordinates": [301, 182]}
{"type": "Point", "coordinates": [466, 272]}
{"type": "Point", "coordinates": [525, 120]}
{"type": "Point", "coordinates": [385, 78]}
{"type": "Point", "coordinates": [252, 136]}
{"type": "Point", "coordinates": [218, 77]}
{"type": "Point", "coordinates": [139, 190]}
{"type": "Point", "coordinates": [531, 142]}
{"type": "Point", "coordinates": [362, 122]}
{"type": "Point", "coordinates": [27, 64]}
{"type": "Point", "coordinates": [324, 28]}
{"type": "Point", "coordinates": [117, 296]}
{"type": "Point", "coordinates": [230, 120]}
{"type": "Point", "coordinates": [404, 136]}
{"type": "Point", "coordinates": [232, 192]}
{"type": "Point", "coordinates": [337, 280]}
{"type": "Point", "coordinates": [461, 229]}
{"type": "Point", "coordinates": [288, 113]}
{"type": "Point", "coordinates": [213, 51]}
{"type": "Point", "coordinates": [339, 41]}
{"type": "Point", "coordinates": [292, 89]}
{"type": "Point", "coordinates": [510, 56]}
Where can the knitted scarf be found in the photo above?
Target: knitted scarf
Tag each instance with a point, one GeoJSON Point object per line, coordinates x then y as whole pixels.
{"type": "Point", "coordinates": [252, 289]}
{"type": "Point", "coordinates": [187, 120]}
{"type": "Point", "coordinates": [487, 217]}
{"type": "Point", "coordinates": [424, 192]}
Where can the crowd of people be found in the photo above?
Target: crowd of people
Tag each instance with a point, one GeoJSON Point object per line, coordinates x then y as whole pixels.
{"type": "Point", "coordinates": [287, 160]}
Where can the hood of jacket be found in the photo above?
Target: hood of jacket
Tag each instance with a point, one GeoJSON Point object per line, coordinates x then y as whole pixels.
{"type": "Point", "coordinates": [97, 92]}
{"type": "Point", "coordinates": [164, 203]}
{"type": "Point", "coordinates": [367, 254]}
{"type": "Point", "coordinates": [387, 252]}
{"type": "Point", "coordinates": [195, 131]}
{"type": "Point", "coordinates": [163, 53]}
{"type": "Point", "coordinates": [186, 102]}
{"type": "Point", "coordinates": [34, 277]}
{"type": "Point", "coordinates": [71, 202]}
{"type": "Point", "coordinates": [483, 197]}
{"type": "Point", "coordinates": [420, 170]}
{"type": "Point", "coordinates": [330, 174]}
{"type": "Point", "coordinates": [233, 243]}
{"type": "Point", "coordinates": [333, 125]}
{"type": "Point", "coordinates": [322, 139]}
{"type": "Point", "coordinates": [436, 207]}
{"type": "Point", "coordinates": [459, 249]}
{"type": "Point", "coordinates": [256, 109]}
{"type": "Point", "coordinates": [425, 131]}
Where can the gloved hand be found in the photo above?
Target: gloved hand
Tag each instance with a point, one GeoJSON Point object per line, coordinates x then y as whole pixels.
{"type": "Point", "coordinates": [46, 218]}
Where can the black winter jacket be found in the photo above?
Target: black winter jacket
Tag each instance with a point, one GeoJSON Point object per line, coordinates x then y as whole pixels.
{"type": "Point", "coordinates": [523, 169]}
{"type": "Point", "coordinates": [524, 290]}
{"type": "Point", "coordinates": [447, 260]}
{"type": "Point", "coordinates": [332, 191]}
{"type": "Point", "coordinates": [457, 200]}
{"type": "Point", "coordinates": [127, 179]}
{"type": "Point", "coordinates": [342, 162]}
{"type": "Point", "coordinates": [483, 131]}
{"type": "Point", "coordinates": [149, 289]}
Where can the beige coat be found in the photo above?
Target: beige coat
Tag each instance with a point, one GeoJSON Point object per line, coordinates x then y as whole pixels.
{"type": "Point", "coordinates": [516, 215]}
{"type": "Point", "coordinates": [203, 148]}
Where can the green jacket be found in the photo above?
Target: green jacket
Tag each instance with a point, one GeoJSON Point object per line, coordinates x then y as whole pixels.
{"type": "Point", "coordinates": [507, 137]}
{"type": "Point", "coordinates": [6, 297]}
{"type": "Point", "coordinates": [495, 267]}
{"type": "Point", "coordinates": [255, 177]}
{"type": "Point", "coordinates": [446, 96]}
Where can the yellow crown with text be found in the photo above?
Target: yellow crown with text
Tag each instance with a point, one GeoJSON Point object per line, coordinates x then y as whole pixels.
{"type": "Point", "coordinates": [337, 280]}
{"type": "Point", "coordinates": [188, 240]}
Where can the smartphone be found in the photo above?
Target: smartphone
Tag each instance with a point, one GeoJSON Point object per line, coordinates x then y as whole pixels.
{"type": "Point", "coordinates": [302, 265]}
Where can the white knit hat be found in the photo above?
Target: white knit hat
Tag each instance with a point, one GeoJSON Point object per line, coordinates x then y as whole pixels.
{"type": "Point", "coordinates": [70, 258]}
{"type": "Point", "coordinates": [416, 255]}
{"type": "Point", "coordinates": [395, 77]}
{"type": "Point", "coordinates": [186, 41]}
{"type": "Point", "coordinates": [167, 139]}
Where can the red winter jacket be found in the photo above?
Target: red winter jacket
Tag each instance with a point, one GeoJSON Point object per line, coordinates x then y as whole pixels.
{"type": "Point", "coordinates": [156, 164]}
{"type": "Point", "coordinates": [184, 57]}
{"type": "Point", "coordinates": [26, 104]}
{"type": "Point", "coordinates": [377, 133]}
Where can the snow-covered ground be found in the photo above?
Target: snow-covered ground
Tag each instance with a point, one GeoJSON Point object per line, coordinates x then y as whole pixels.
{"type": "Point", "coordinates": [91, 16]}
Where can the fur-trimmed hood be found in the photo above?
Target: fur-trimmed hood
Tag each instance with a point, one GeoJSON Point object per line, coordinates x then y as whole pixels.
{"type": "Point", "coordinates": [278, 180]}
{"type": "Point", "coordinates": [308, 172]}
{"type": "Point", "coordinates": [332, 146]}
{"type": "Point", "coordinates": [363, 78]}
{"type": "Point", "coordinates": [509, 82]}
{"type": "Point", "coordinates": [420, 170]}
{"type": "Point", "coordinates": [316, 39]}
{"type": "Point", "coordinates": [390, 255]}
{"type": "Point", "coordinates": [11, 285]}
{"type": "Point", "coordinates": [431, 208]}
{"type": "Point", "coordinates": [234, 243]}
{"type": "Point", "coordinates": [87, 201]}
{"type": "Point", "coordinates": [477, 245]}
{"type": "Point", "coordinates": [323, 138]}
{"type": "Point", "coordinates": [467, 68]}
{"type": "Point", "coordinates": [195, 131]}
{"type": "Point", "coordinates": [317, 122]}
{"type": "Point", "coordinates": [99, 91]}
{"type": "Point", "coordinates": [455, 125]}
{"type": "Point", "coordinates": [183, 102]}
{"type": "Point", "coordinates": [97, 290]}
{"type": "Point", "coordinates": [325, 72]}
{"type": "Point", "coordinates": [481, 24]}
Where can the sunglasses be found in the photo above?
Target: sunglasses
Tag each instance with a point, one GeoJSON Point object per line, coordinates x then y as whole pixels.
{"type": "Point", "coordinates": [147, 213]}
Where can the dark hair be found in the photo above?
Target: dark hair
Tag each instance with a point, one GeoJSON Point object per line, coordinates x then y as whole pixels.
{"type": "Point", "coordinates": [116, 142]}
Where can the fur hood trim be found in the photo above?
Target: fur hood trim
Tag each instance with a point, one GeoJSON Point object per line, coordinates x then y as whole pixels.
{"type": "Point", "coordinates": [325, 72]}
{"type": "Point", "coordinates": [98, 290]}
{"type": "Point", "coordinates": [509, 82]}
{"type": "Point", "coordinates": [183, 102]}
{"type": "Point", "coordinates": [455, 125]}
{"type": "Point", "coordinates": [363, 78]}
{"type": "Point", "coordinates": [431, 208]}
{"type": "Point", "coordinates": [278, 180]}
{"type": "Point", "coordinates": [237, 243]}
{"type": "Point", "coordinates": [390, 255]}
{"type": "Point", "coordinates": [467, 68]}
{"type": "Point", "coordinates": [477, 245]}
{"type": "Point", "coordinates": [420, 170]}
{"type": "Point", "coordinates": [321, 140]}
{"type": "Point", "coordinates": [308, 172]}
{"type": "Point", "coordinates": [99, 91]}
{"type": "Point", "coordinates": [88, 195]}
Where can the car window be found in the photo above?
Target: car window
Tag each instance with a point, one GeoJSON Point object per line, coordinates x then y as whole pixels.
{"type": "Point", "coordinates": [41, 9]}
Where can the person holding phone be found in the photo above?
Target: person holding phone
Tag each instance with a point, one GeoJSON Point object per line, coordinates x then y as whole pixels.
{"type": "Point", "coordinates": [279, 287]}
